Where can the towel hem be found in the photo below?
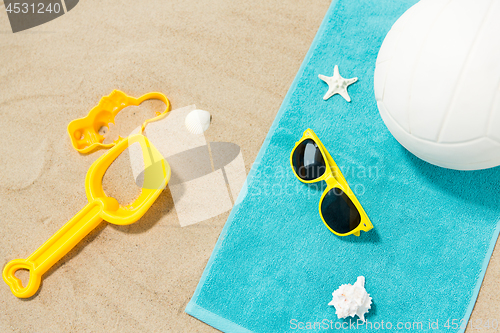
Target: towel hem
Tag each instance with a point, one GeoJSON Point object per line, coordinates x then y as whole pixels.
{"type": "Point", "coordinates": [218, 322]}
{"type": "Point", "coordinates": [480, 279]}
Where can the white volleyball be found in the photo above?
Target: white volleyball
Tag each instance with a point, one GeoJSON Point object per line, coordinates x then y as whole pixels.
{"type": "Point", "coordinates": [198, 121]}
{"type": "Point", "coordinates": [437, 82]}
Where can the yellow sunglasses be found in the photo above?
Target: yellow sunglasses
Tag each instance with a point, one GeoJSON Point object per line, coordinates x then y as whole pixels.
{"type": "Point", "coordinates": [339, 208]}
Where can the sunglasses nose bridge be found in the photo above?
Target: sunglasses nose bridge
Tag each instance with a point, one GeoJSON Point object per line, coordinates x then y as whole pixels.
{"type": "Point", "coordinates": [331, 181]}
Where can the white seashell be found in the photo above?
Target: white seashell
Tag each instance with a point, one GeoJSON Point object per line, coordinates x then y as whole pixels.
{"type": "Point", "coordinates": [198, 121]}
{"type": "Point", "coordinates": [350, 300]}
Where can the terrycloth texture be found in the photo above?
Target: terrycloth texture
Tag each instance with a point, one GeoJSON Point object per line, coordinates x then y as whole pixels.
{"type": "Point", "coordinates": [434, 229]}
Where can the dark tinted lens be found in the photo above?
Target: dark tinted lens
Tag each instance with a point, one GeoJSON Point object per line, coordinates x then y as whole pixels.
{"type": "Point", "coordinates": [339, 212]}
{"type": "Point", "coordinates": [308, 161]}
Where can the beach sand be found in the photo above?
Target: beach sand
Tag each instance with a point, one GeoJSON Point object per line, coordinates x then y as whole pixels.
{"type": "Point", "coordinates": [235, 59]}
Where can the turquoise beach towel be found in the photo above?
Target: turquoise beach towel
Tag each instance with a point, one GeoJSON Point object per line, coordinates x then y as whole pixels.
{"type": "Point", "coordinates": [275, 265]}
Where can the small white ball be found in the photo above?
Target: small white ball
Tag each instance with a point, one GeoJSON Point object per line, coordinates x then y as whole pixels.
{"type": "Point", "coordinates": [198, 121]}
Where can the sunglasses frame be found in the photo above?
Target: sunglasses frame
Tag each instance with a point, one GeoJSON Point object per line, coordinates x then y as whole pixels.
{"type": "Point", "coordinates": [334, 179]}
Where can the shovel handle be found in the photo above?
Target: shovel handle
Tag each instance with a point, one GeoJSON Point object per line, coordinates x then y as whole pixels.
{"type": "Point", "coordinates": [56, 247]}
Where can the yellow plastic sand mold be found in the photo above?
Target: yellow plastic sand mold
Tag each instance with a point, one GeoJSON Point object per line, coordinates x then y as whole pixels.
{"type": "Point", "coordinates": [84, 132]}
{"type": "Point", "coordinates": [100, 207]}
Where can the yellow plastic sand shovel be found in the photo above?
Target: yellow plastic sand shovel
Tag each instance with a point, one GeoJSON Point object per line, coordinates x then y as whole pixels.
{"type": "Point", "coordinates": [100, 207]}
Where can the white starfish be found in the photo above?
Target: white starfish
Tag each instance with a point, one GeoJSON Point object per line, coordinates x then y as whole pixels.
{"type": "Point", "coordinates": [337, 84]}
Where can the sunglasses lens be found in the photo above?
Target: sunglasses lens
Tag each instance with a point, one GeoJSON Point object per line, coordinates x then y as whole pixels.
{"type": "Point", "coordinates": [339, 212]}
{"type": "Point", "coordinates": [308, 161]}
